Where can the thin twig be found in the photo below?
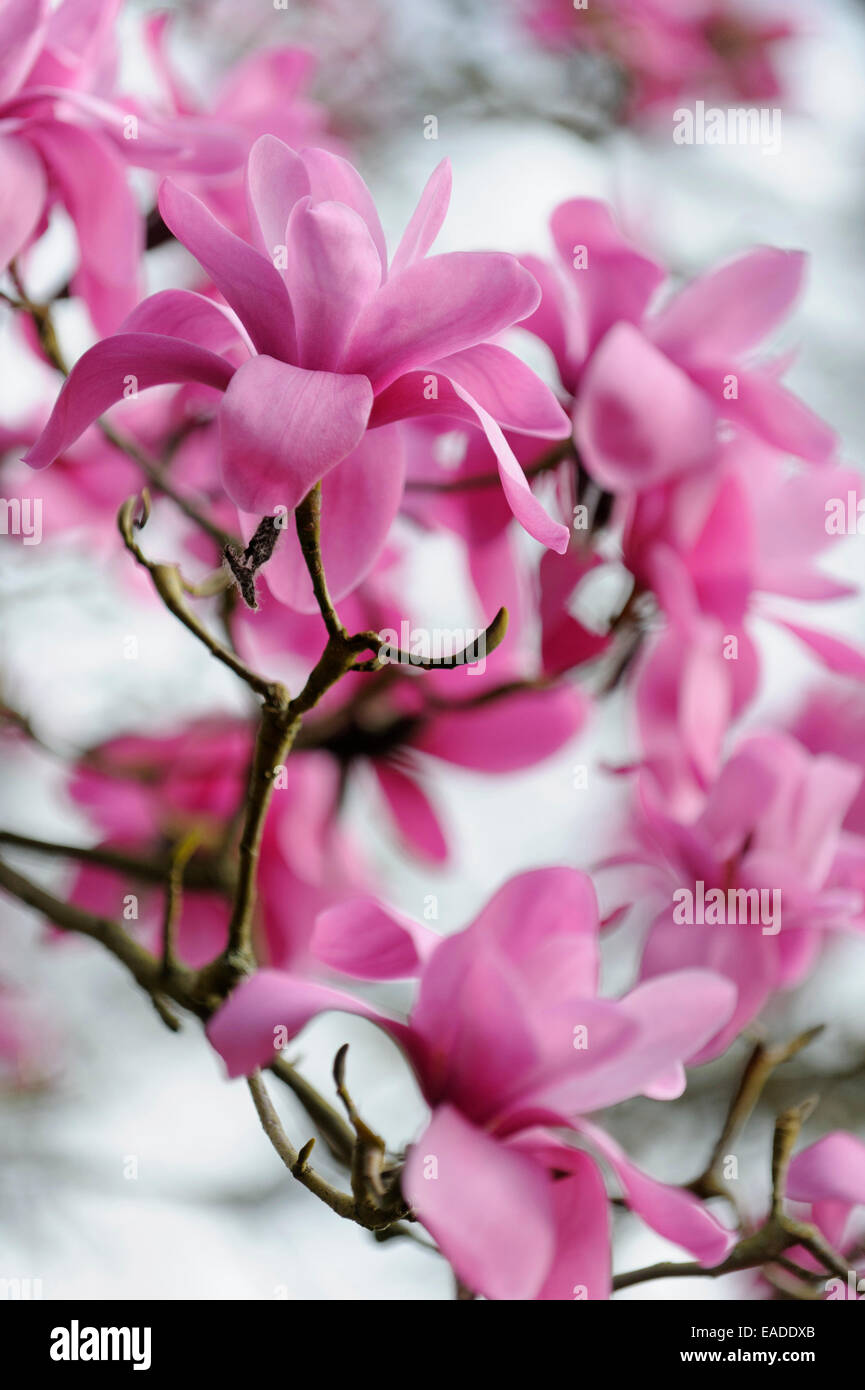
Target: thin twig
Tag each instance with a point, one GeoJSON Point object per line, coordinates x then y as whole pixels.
{"type": "Point", "coordinates": [170, 586]}
{"type": "Point", "coordinates": [308, 523]}
{"type": "Point", "coordinates": [296, 1163]}
{"type": "Point", "coordinates": [764, 1059]}
{"type": "Point", "coordinates": [174, 899]}
{"type": "Point", "coordinates": [204, 873]}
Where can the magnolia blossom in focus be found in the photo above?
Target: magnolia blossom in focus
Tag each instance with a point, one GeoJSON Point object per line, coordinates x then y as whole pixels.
{"type": "Point", "coordinates": [510, 1046]}
{"type": "Point", "coordinates": [331, 347]}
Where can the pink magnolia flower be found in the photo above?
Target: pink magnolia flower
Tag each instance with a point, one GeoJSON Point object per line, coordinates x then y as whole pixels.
{"type": "Point", "coordinates": [747, 885]}
{"type": "Point", "coordinates": [339, 346]}
{"type": "Point", "coordinates": [65, 137]}
{"type": "Point", "coordinates": [650, 388]}
{"type": "Point", "coordinates": [509, 1044]}
{"type": "Point", "coordinates": [832, 720]}
{"type": "Point", "coordinates": [261, 94]}
{"type": "Point", "coordinates": [714, 549]}
{"type": "Point", "coordinates": [829, 1179]}
{"type": "Point", "coordinates": [748, 529]}
{"type": "Point", "coordinates": [145, 792]}
{"type": "Point", "coordinates": [670, 48]}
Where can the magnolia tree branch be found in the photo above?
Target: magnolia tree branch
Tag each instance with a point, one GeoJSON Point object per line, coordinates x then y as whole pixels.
{"type": "Point", "coordinates": [273, 742]}
{"type": "Point", "coordinates": [778, 1234]}
{"type": "Point", "coordinates": [764, 1059]}
{"type": "Point", "coordinates": [296, 1161]}
{"type": "Point", "coordinates": [181, 985]}
{"type": "Point", "coordinates": [308, 522]}
{"type": "Point", "coordinates": [203, 871]}
{"type": "Point", "coordinates": [371, 1209]}
{"type": "Point", "coordinates": [169, 584]}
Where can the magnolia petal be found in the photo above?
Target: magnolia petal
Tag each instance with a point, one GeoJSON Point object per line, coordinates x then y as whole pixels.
{"type": "Point", "coordinates": [487, 1206]}
{"type": "Point", "coordinates": [675, 1214]}
{"type": "Point", "coordinates": [529, 512]}
{"type": "Point", "coordinates": [366, 939]}
{"type": "Point", "coordinates": [332, 270]}
{"type": "Point", "coordinates": [334, 179]}
{"type": "Point", "coordinates": [282, 429]}
{"type": "Point", "coordinates": [832, 1170]}
{"type": "Point", "coordinates": [276, 178]}
{"type": "Point", "coordinates": [509, 390]}
{"type": "Point", "coordinates": [426, 221]}
{"type": "Point", "coordinates": [194, 317]}
{"type": "Point", "coordinates": [730, 310]}
{"type": "Point", "coordinates": [413, 812]}
{"type": "Point", "coordinates": [359, 500]}
{"type": "Point", "coordinates": [436, 307]}
{"type": "Point", "coordinates": [104, 374]}
{"type": "Point", "coordinates": [23, 189]}
{"type": "Point", "coordinates": [639, 419]}
{"type": "Point", "coordinates": [247, 280]}
{"type": "Point", "coordinates": [270, 1008]}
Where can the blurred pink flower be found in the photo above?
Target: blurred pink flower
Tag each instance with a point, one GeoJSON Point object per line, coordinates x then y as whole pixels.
{"type": "Point", "coordinates": [650, 389]}
{"type": "Point", "coordinates": [670, 48]}
{"type": "Point", "coordinates": [509, 1043]}
{"type": "Point", "coordinates": [262, 94]}
{"type": "Point", "coordinates": [65, 136]}
{"type": "Point", "coordinates": [771, 825]}
{"type": "Point", "coordinates": [829, 1179]}
{"type": "Point", "coordinates": [144, 792]}
{"type": "Point", "coordinates": [29, 1046]}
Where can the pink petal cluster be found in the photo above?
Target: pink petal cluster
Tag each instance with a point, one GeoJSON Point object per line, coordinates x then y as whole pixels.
{"type": "Point", "coordinates": [771, 822]}
{"type": "Point", "coordinates": [671, 48]}
{"type": "Point", "coordinates": [650, 386]}
{"type": "Point", "coordinates": [510, 1045]}
{"type": "Point", "coordinates": [828, 1178]}
{"type": "Point", "coordinates": [65, 132]}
